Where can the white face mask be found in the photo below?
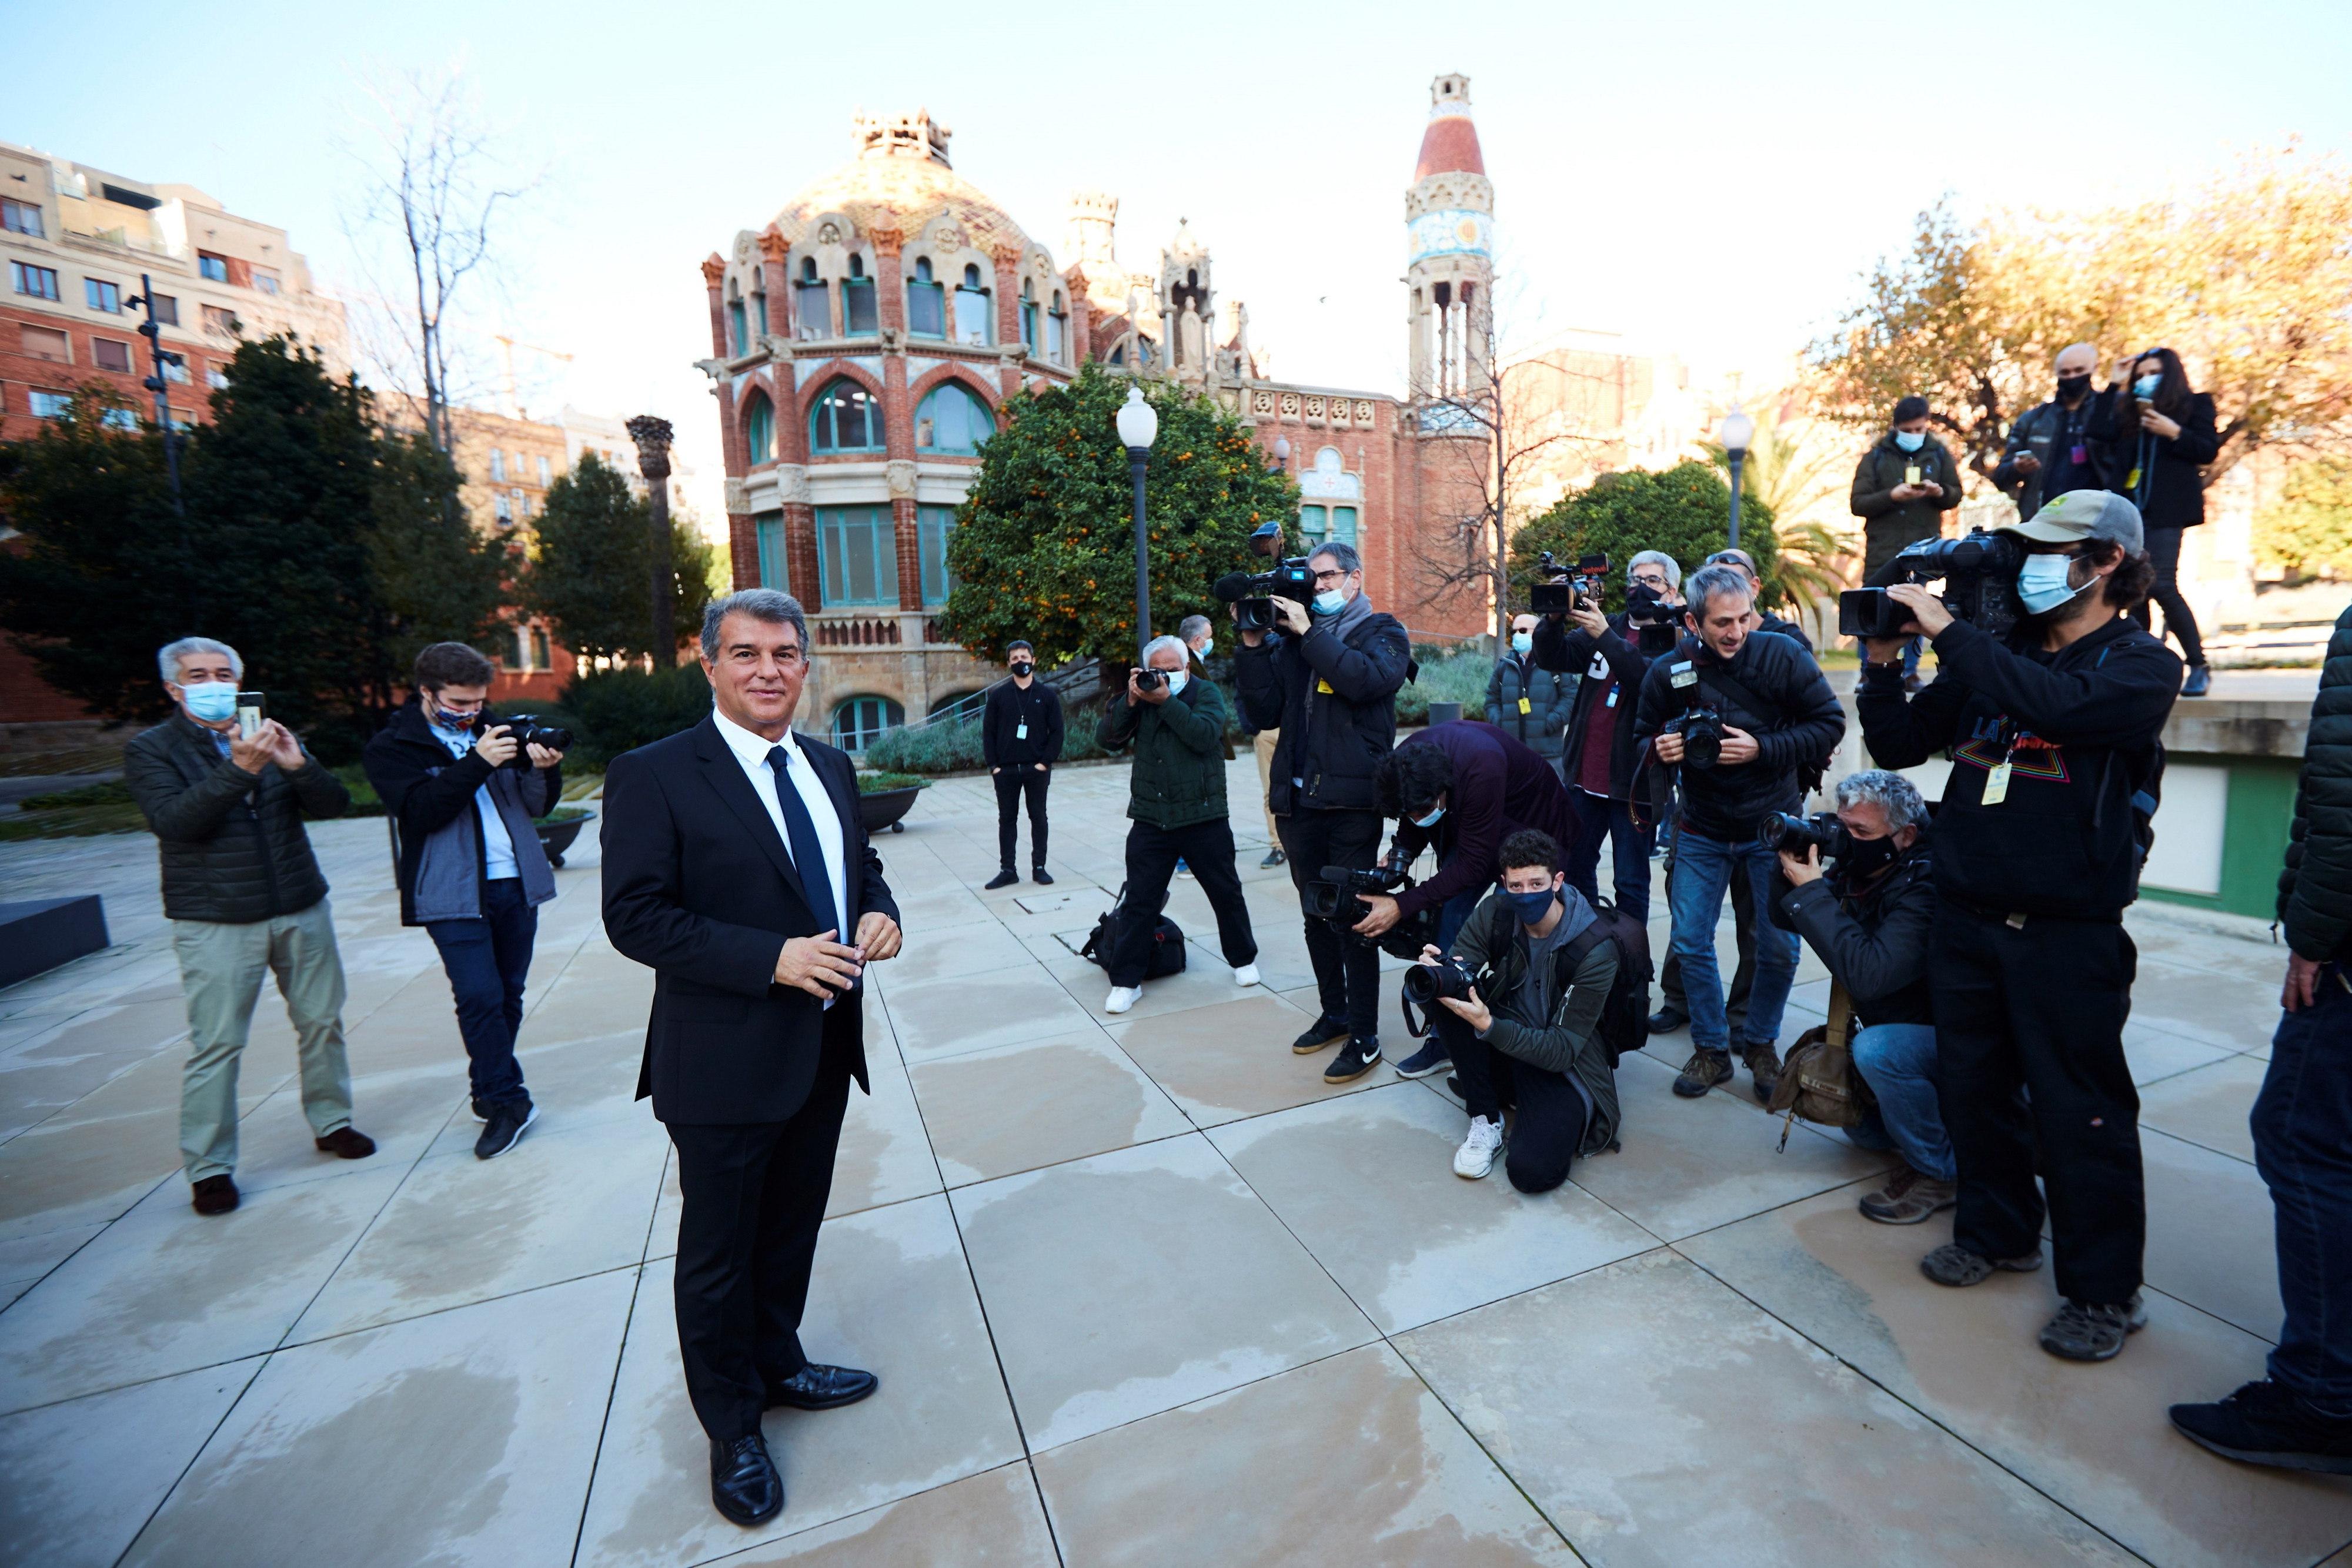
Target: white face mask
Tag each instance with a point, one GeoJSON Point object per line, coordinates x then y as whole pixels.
{"type": "Point", "coordinates": [1176, 681]}
{"type": "Point", "coordinates": [2042, 583]}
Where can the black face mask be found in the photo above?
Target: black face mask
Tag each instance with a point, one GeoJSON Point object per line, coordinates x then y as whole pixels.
{"type": "Point", "coordinates": [1021, 672]}
{"type": "Point", "coordinates": [2074, 387]}
{"type": "Point", "coordinates": [1869, 857]}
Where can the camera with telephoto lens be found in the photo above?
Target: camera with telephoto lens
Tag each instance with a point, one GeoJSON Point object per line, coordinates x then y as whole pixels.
{"type": "Point", "coordinates": [1425, 984]}
{"type": "Point", "coordinates": [1334, 899]}
{"type": "Point", "coordinates": [1702, 732]}
{"type": "Point", "coordinates": [1822, 831]}
{"type": "Point", "coordinates": [528, 732]}
{"type": "Point", "coordinates": [1979, 572]}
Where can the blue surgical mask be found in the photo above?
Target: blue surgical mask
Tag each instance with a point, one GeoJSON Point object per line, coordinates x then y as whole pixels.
{"type": "Point", "coordinates": [1431, 820]}
{"type": "Point", "coordinates": [1522, 642]}
{"type": "Point", "coordinates": [2042, 582]}
{"type": "Point", "coordinates": [2145, 388]}
{"type": "Point", "coordinates": [1910, 440]}
{"type": "Point", "coordinates": [1330, 603]}
{"type": "Point", "coordinates": [1176, 679]}
{"type": "Point", "coordinates": [1532, 907]}
{"type": "Point", "coordinates": [211, 701]}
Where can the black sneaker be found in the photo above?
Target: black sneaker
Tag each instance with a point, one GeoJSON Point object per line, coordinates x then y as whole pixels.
{"type": "Point", "coordinates": [504, 1130]}
{"type": "Point", "coordinates": [2264, 1424]}
{"type": "Point", "coordinates": [1041, 876]}
{"type": "Point", "coordinates": [1432, 1056]}
{"type": "Point", "coordinates": [1004, 878]}
{"type": "Point", "coordinates": [1321, 1033]}
{"type": "Point", "coordinates": [1272, 858]}
{"type": "Point", "coordinates": [1703, 1071]}
{"type": "Point", "coordinates": [1356, 1058]}
{"type": "Point", "coordinates": [2081, 1332]}
{"type": "Point", "coordinates": [1667, 1019]}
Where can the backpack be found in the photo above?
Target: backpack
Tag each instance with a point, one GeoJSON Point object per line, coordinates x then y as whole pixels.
{"type": "Point", "coordinates": [1167, 955]}
{"type": "Point", "coordinates": [2145, 773]}
{"type": "Point", "coordinates": [1820, 1081]}
{"type": "Point", "coordinates": [1623, 1024]}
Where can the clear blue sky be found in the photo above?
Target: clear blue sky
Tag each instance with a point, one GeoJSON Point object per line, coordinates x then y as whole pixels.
{"type": "Point", "coordinates": [1704, 177]}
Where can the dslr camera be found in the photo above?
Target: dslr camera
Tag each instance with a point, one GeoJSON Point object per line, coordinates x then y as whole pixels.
{"type": "Point", "coordinates": [1333, 898]}
{"type": "Point", "coordinates": [1651, 619]}
{"type": "Point", "coordinates": [1557, 591]}
{"type": "Point", "coordinates": [1425, 984]}
{"type": "Point", "coordinates": [1151, 680]}
{"type": "Point", "coordinates": [528, 731]}
{"type": "Point", "coordinates": [1979, 572]}
{"type": "Point", "coordinates": [1822, 831]}
{"type": "Point", "coordinates": [1702, 732]}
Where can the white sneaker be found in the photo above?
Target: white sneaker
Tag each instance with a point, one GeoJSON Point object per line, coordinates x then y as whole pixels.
{"type": "Point", "coordinates": [1122, 997]}
{"type": "Point", "coordinates": [1246, 975]}
{"type": "Point", "coordinates": [1477, 1156]}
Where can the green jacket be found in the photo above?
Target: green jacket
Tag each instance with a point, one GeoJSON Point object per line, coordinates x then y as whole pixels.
{"type": "Point", "coordinates": [1179, 777]}
{"type": "Point", "coordinates": [2314, 900]}
{"type": "Point", "coordinates": [1888, 524]}
{"type": "Point", "coordinates": [1495, 946]}
{"type": "Point", "coordinates": [232, 845]}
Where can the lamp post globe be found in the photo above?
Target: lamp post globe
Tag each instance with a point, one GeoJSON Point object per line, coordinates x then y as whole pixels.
{"type": "Point", "coordinates": [1735, 433]}
{"type": "Point", "coordinates": [1139, 425]}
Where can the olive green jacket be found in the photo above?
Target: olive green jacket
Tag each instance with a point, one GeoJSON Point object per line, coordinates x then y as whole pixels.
{"type": "Point", "coordinates": [1179, 777]}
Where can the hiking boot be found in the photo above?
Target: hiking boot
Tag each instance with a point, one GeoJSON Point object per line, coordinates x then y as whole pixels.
{"type": "Point", "coordinates": [1432, 1056]}
{"type": "Point", "coordinates": [1764, 1066]}
{"type": "Point", "coordinates": [1667, 1018]}
{"type": "Point", "coordinates": [1477, 1156]}
{"type": "Point", "coordinates": [1004, 878]}
{"type": "Point", "coordinates": [1356, 1058]}
{"type": "Point", "coordinates": [1323, 1032]}
{"type": "Point", "coordinates": [1703, 1071]}
{"type": "Point", "coordinates": [1953, 1264]}
{"type": "Point", "coordinates": [2265, 1424]}
{"type": "Point", "coordinates": [2081, 1332]}
{"type": "Point", "coordinates": [1909, 1198]}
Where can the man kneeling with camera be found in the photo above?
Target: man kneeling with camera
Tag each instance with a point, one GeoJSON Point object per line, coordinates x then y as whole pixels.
{"type": "Point", "coordinates": [1868, 913]}
{"type": "Point", "coordinates": [1517, 1001]}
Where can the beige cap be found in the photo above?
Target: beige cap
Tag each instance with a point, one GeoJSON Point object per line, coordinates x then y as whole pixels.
{"type": "Point", "coordinates": [2081, 515]}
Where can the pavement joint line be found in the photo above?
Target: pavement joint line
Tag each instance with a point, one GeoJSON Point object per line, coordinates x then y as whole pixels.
{"type": "Point", "coordinates": [612, 1389]}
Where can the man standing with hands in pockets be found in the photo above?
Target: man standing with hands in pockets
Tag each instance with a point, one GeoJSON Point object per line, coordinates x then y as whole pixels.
{"type": "Point", "coordinates": [735, 860]}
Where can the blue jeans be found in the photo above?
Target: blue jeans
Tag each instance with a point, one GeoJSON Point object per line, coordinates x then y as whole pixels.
{"type": "Point", "coordinates": [2303, 1146]}
{"type": "Point", "coordinates": [1898, 1061]}
{"type": "Point", "coordinates": [1702, 875]}
{"type": "Point", "coordinates": [487, 960]}
{"type": "Point", "coordinates": [1629, 852]}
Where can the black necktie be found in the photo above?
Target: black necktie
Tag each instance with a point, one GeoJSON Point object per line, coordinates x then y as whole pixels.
{"type": "Point", "coordinates": [808, 855]}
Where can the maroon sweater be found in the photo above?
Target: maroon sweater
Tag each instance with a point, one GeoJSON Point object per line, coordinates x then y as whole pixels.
{"type": "Point", "coordinates": [1499, 786]}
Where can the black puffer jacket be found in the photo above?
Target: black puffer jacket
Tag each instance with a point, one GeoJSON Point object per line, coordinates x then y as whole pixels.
{"type": "Point", "coordinates": [1800, 724]}
{"type": "Point", "coordinates": [233, 846]}
{"type": "Point", "coordinates": [1548, 697]}
{"type": "Point", "coordinates": [2314, 900]}
{"type": "Point", "coordinates": [1332, 694]}
{"type": "Point", "coordinates": [1875, 941]}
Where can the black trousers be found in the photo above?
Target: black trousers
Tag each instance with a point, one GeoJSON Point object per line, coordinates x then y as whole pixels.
{"type": "Point", "coordinates": [1017, 779]}
{"type": "Point", "coordinates": [2164, 554]}
{"type": "Point", "coordinates": [1743, 979]}
{"type": "Point", "coordinates": [1346, 972]}
{"type": "Point", "coordinates": [1152, 856]}
{"type": "Point", "coordinates": [754, 1197]}
{"type": "Point", "coordinates": [2041, 1008]}
{"type": "Point", "coordinates": [1550, 1122]}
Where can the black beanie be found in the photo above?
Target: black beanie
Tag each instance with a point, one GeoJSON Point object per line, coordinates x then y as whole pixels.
{"type": "Point", "coordinates": [1910, 408]}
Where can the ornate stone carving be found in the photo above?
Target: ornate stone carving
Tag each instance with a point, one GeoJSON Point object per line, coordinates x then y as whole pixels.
{"type": "Point", "coordinates": [774, 347]}
{"type": "Point", "coordinates": [747, 246]}
{"type": "Point", "coordinates": [1314, 408]}
{"type": "Point", "coordinates": [1006, 255]}
{"type": "Point", "coordinates": [738, 500]}
{"type": "Point", "coordinates": [714, 270]}
{"type": "Point", "coordinates": [1262, 402]}
{"type": "Point", "coordinates": [883, 231]}
{"type": "Point", "coordinates": [949, 237]}
{"type": "Point", "coordinates": [773, 245]}
{"type": "Point", "coordinates": [791, 484]}
{"type": "Point", "coordinates": [1363, 412]}
{"type": "Point", "coordinates": [899, 475]}
{"type": "Point", "coordinates": [1290, 406]}
{"type": "Point", "coordinates": [893, 340]}
{"type": "Point", "coordinates": [828, 233]}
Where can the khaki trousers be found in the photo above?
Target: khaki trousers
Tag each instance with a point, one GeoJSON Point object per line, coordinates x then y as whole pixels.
{"type": "Point", "coordinates": [1267, 739]}
{"type": "Point", "coordinates": [221, 967]}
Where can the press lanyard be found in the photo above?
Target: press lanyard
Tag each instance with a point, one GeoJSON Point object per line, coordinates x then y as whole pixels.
{"type": "Point", "coordinates": [1996, 784]}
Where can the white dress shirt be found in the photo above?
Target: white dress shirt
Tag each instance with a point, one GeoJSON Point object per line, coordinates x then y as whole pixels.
{"type": "Point", "coordinates": [752, 751]}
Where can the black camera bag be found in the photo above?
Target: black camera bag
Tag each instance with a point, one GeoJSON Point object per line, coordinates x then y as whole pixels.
{"type": "Point", "coordinates": [1167, 955]}
{"type": "Point", "coordinates": [1624, 1022]}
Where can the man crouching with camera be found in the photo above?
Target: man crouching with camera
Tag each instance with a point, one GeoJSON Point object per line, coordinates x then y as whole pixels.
{"type": "Point", "coordinates": [1517, 1001]}
{"type": "Point", "coordinates": [1738, 716]}
{"type": "Point", "coordinates": [1867, 913]}
{"type": "Point", "coordinates": [2052, 736]}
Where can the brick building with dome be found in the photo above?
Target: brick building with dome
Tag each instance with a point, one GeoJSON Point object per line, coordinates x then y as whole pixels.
{"type": "Point", "coordinates": [863, 341]}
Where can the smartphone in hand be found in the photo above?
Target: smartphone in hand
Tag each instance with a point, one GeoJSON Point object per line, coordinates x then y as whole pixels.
{"type": "Point", "coordinates": [251, 714]}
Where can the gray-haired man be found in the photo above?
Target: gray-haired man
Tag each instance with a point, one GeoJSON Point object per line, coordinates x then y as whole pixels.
{"type": "Point", "coordinates": [244, 896]}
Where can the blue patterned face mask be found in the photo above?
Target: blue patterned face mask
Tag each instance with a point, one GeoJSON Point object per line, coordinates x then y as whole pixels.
{"type": "Point", "coordinates": [1910, 440]}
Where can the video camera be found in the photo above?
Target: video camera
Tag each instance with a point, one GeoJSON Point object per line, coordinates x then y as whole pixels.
{"type": "Point", "coordinates": [1334, 899]}
{"type": "Point", "coordinates": [1559, 591]}
{"type": "Point", "coordinates": [1979, 570]}
{"type": "Point", "coordinates": [1253, 591]}
{"type": "Point", "coordinates": [528, 732]}
{"type": "Point", "coordinates": [1702, 732]}
{"type": "Point", "coordinates": [1656, 624]}
{"type": "Point", "coordinates": [1822, 831]}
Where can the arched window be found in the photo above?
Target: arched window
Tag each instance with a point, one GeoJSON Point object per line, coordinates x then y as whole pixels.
{"type": "Point", "coordinates": [858, 301]}
{"type": "Point", "coordinates": [859, 722]}
{"type": "Point", "coordinates": [1028, 318]}
{"type": "Point", "coordinates": [971, 311]}
{"type": "Point", "coordinates": [847, 418]}
{"type": "Point", "coordinates": [952, 419]}
{"type": "Point", "coordinates": [759, 310]}
{"type": "Point", "coordinates": [737, 344]}
{"type": "Point", "coordinates": [759, 428]}
{"type": "Point", "coordinates": [812, 303]}
{"type": "Point", "coordinates": [1057, 335]}
{"type": "Point", "coordinates": [927, 307]}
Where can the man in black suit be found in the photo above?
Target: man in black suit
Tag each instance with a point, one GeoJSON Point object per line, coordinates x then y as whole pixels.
{"type": "Point", "coordinates": [734, 860]}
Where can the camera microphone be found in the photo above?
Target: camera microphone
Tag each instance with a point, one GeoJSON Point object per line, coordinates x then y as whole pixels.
{"type": "Point", "coordinates": [1233, 588]}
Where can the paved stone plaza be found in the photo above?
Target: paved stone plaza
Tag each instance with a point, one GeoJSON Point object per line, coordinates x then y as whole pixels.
{"type": "Point", "coordinates": [1139, 1290]}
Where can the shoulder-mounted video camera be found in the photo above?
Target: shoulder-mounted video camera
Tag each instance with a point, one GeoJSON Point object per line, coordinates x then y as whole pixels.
{"type": "Point", "coordinates": [1559, 591]}
{"type": "Point", "coordinates": [1252, 593]}
{"type": "Point", "coordinates": [1979, 572]}
{"type": "Point", "coordinates": [1334, 899]}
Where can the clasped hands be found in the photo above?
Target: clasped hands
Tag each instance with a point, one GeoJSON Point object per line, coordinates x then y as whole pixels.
{"type": "Point", "coordinates": [826, 968]}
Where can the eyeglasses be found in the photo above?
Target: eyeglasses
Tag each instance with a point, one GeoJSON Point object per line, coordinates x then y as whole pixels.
{"type": "Point", "coordinates": [1334, 575]}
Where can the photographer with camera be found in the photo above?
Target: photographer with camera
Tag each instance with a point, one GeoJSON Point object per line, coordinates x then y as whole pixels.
{"type": "Point", "coordinates": [2053, 733]}
{"type": "Point", "coordinates": [1739, 714]}
{"type": "Point", "coordinates": [1328, 679]}
{"type": "Point", "coordinates": [1517, 1001]}
{"type": "Point", "coordinates": [1902, 489]}
{"type": "Point", "coordinates": [1867, 912]}
{"type": "Point", "coordinates": [463, 785]}
{"type": "Point", "coordinates": [1176, 802]}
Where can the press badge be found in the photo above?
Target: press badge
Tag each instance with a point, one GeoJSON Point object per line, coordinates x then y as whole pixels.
{"type": "Point", "coordinates": [1996, 785]}
{"type": "Point", "coordinates": [1526, 707]}
{"type": "Point", "coordinates": [1323, 686]}
{"type": "Point", "coordinates": [2132, 483]}
{"type": "Point", "coordinates": [1021, 730]}
{"type": "Point", "coordinates": [1612, 698]}
{"type": "Point", "coordinates": [1682, 675]}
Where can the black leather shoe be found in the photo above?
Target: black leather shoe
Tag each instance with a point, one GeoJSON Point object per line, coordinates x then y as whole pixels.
{"type": "Point", "coordinates": [214, 1195]}
{"type": "Point", "coordinates": [816, 1387]}
{"type": "Point", "coordinates": [1665, 1020]}
{"type": "Point", "coordinates": [1004, 878]}
{"type": "Point", "coordinates": [744, 1485]}
{"type": "Point", "coordinates": [1041, 876]}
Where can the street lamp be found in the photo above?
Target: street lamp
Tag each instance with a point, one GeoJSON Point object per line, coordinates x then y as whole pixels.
{"type": "Point", "coordinates": [1138, 425]}
{"type": "Point", "coordinates": [1737, 432]}
{"type": "Point", "coordinates": [652, 436]}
